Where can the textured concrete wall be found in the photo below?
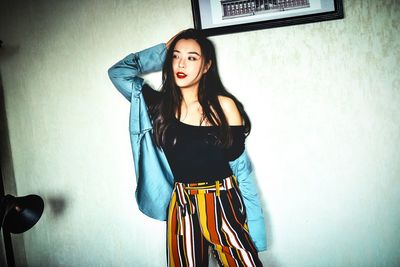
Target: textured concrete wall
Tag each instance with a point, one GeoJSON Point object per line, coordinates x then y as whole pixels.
{"type": "Point", "coordinates": [324, 99]}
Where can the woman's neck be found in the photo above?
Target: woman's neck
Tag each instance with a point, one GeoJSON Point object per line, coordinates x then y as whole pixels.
{"type": "Point", "coordinates": [190, 95]}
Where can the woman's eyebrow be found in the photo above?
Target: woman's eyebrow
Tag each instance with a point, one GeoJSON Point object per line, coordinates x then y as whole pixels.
{"type": "Point", "coordinates": [192, 52]}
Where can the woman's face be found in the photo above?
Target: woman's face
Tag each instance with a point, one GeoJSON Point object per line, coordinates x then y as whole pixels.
{"type": "Point", "coordinates": [188, 63]}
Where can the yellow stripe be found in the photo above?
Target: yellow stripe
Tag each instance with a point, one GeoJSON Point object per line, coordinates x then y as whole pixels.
{"type": "Point", "coordinates": [246, 227]}
{"type": "Point", "coordinates": [235, 180]}
{"type": "Point", "coordinates": [224, 260]}
{"type": "Point", "coordinates": [221, 254]}
{"type": "Point", "coordinates": [201, 201]}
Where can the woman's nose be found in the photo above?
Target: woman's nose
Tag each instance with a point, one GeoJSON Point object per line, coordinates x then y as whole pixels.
{"type": "Point", "coordinates": [181, 63]}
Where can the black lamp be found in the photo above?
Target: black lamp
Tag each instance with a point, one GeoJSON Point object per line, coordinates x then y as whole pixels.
{"type": "Point", "coordinates": [19, 214]}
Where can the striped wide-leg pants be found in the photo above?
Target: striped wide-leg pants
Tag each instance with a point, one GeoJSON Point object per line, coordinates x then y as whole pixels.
{"type": "Point", "coordinates": [202, 215]}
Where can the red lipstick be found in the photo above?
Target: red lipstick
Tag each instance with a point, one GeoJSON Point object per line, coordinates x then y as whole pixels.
{"type": "Point", "coordinates": [181, 75]}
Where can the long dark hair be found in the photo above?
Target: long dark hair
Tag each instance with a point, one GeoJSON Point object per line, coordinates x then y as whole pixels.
{"type": "Point", "coordinates": [210, 87]}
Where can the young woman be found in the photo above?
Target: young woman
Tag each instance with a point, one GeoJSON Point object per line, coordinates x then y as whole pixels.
{"type": "Point", "coordinates": [190, 161]}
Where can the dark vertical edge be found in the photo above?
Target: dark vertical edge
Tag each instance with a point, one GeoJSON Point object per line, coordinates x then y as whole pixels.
{"type": "Point", "coordinates": [4, 136]}
{"type": "Point", "coordinates": [196, 14]}
{"type": "Point", "coordinates": [339, 9]}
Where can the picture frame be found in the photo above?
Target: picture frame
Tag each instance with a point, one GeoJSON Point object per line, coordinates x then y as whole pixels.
{"type": "Point", "coordinates": [217, 17]}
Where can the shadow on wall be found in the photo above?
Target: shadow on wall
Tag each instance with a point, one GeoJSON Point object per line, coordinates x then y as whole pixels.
{"type": "Point", "coordinates": [6, 51]}
{"type": "Point", "coordinates": [57, 205]}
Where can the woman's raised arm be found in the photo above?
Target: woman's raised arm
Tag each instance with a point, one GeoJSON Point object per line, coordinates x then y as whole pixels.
{"type": "Point", "coordinates": [125, 74]}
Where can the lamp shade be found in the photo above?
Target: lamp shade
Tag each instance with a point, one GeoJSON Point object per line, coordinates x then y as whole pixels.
{"type": "Point", "coordinates": [21, 213]}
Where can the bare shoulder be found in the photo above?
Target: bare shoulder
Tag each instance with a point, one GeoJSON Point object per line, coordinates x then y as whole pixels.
{"type": "Point", "coordinates": [230, 109]}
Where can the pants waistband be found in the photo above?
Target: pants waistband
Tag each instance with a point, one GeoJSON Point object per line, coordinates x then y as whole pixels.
{"type": "Point", "coordinates": [206, 187]}
{"type": "Point", "coordinates": [183, 191]}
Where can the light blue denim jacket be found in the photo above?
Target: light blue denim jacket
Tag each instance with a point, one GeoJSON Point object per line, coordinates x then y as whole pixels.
{"type": "Point", "coordinates": [153, 175]}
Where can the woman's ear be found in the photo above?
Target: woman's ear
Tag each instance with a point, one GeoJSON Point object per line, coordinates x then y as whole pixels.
{"type": "Point", "coordinates": [207, 66]}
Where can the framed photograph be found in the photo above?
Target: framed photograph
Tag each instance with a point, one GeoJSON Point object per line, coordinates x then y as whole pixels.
{"type": "Point", "coordinates": [229, 16]}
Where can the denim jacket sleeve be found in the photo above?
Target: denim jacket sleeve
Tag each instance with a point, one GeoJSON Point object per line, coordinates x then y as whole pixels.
{"type": "Point", "coordinates": [153, 174]}
{"type": "Point", "coordinates": [125, 73]}
{"type": "Point", "coordinates": [243, 170]}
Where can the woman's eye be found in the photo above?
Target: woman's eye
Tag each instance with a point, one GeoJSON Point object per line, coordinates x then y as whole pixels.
{"type": "Point", "coordinates": [192, 58]}
{"type": "Point", "coordinates": [175, 56]}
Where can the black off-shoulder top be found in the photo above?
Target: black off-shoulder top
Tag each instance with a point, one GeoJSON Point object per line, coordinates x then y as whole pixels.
{"type": "Point", "coordinates": [193, 152]}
